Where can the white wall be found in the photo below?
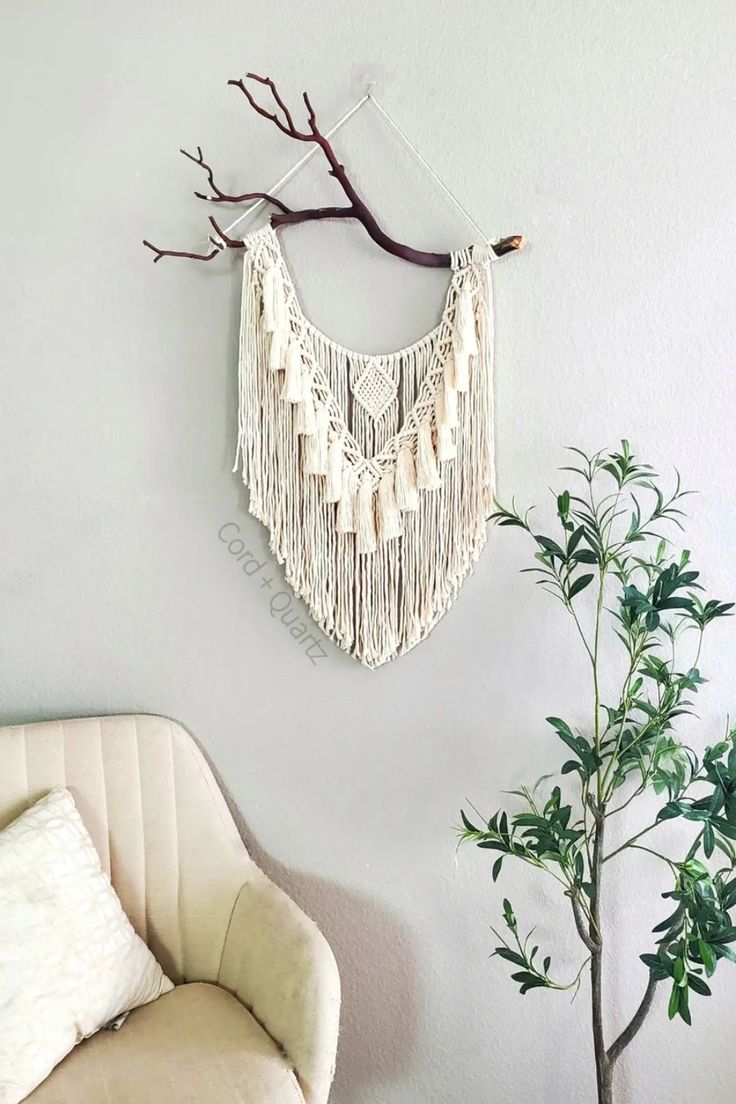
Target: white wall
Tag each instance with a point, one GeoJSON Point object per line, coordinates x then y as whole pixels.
{"type": "Point", "coordinates": [602, 131]}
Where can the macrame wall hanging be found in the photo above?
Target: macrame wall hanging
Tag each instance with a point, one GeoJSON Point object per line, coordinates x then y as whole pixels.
{"type": "Point", "coordinates": [373, 474]}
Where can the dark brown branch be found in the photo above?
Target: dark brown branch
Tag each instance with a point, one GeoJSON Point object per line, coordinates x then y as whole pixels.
{"type": "Point", "coordinates": [224, 197]}
{"type": "Point", "coordinates": [225, 242]}
{"type": "Point", "coordinates": [615, 1050]}
{"type": "Point", "coordinates": [182, 253]}
{"type": "Point", "coordinates": [231, 243]}
{"type": "Point", "coordinates": [356, 208]}
{"type": "Point", "coordinates": [288, 127]}
{"type": "Point", "coordinates": [312, 214]}
{"type": "Point", "coordinates": [311, 117]}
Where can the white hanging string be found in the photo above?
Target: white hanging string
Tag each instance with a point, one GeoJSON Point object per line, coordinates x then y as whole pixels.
{"type": "Point", "coordinates": [275, 188]}
{"type": "Point", "coordinates": [428, 168]}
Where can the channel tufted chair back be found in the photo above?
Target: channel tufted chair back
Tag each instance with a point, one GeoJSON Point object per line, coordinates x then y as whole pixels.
{"type": "Point", "coordinates": [166, 837]}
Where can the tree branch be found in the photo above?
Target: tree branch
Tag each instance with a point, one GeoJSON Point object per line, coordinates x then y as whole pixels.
{"type": "Point", "coordinates": [356, 208]}
{"type": "Point", "coordinates": [288, 128]}
{"type": "Point", "coordinates": [584, 934]}
{"type": "Point", "coordinates": [616, 1048]}
{"type": "Point", "coordinates": [603, 1066]}
{"type": "Point", "coordinates": [225, 242]}
{"type": "Point", "coordinates": [224, 197]}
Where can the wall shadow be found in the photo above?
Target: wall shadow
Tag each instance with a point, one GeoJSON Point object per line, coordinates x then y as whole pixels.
{"type": "Point", "coordinates": [381, 991]}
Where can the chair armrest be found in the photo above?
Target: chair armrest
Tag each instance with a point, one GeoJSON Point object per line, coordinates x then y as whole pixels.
{"type": "Point", "coordinates": [279, 965]}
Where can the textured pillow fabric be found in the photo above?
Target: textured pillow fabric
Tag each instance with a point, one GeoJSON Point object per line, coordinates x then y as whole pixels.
{"type": "Point", "coordinates": [70, 960]}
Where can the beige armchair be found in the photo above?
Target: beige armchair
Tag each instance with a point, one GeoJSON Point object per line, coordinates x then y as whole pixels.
{"type": "Point", "coordinates": [254, 1015]}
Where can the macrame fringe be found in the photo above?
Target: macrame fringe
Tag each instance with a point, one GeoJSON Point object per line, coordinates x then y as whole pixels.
{"type": "Point", "coordinates": [315, 446]}
{"type": "Point", "coordinates": [377, 524]}
{"type": "Point", "coordinates": [269, 283]}
{"type": "Point", "coordinates": [333, 485]}
{"type": "Point", "coordinates": [306, 420]}
{"type": "Point", "coordinates": [389, 518]}
{"type": "Point", "coordinates": [405, 483]}
{"type": "Point", "coordinates": [365, 522]}
{"type": "Point", "coordinates": [346, 507]}
{"type": "Point", "coordinates": [428, 476]}
{"type": "Point", "coordinates": [293, 389]}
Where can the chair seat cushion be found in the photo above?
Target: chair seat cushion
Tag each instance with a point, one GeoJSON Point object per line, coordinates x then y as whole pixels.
{"type": "Point", "coordinates": [196, 1045]}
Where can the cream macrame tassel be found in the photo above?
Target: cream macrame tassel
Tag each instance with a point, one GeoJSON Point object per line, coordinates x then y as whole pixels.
{"type": "Point", "coordinates": [280, 335]}
{"type": "Point", "coordinates": [465, 341]}
{"type": "Point", "coordinates": [293, 389]}
{"type": "Point", "coordinates": [274, 316]}
{"type": "Point", "coordinates": [346, 509]}
{"type": "Point", "coordinates": [306, 421]}
{"type": "Point", "coordinates": [428, 477]}
{"type": "Point", "coordinates": [276, 351]}
{"type": "Point", "coordinates": [389, 518]}
{"type": "Point", "coordinates": [446, 447]}
{"type": "Point", "coordinates": [465, 323]}
{"type": "Point", "coordinates": [269, 283]}
{"type": "Point", "coordinates": [446, 418]}
{"type": "Point", "coordinates": [365, 521]}
{"type": "Point", "coordinates": [405, 483]}
{"type": "Point", "coordinates": [461, 368]}
{"type": "Point", "coordinates": [315, 446]}
{"type": "Point", "coordinates": [333, 486]}
{"type": "Point", "coordinates": [449, 396]}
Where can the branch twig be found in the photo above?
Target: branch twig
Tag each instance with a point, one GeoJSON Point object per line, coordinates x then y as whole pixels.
{"type": "Point", "coordinates": [584, 934]}
{"type": "Point", "coordinates": [626, 1036]}
{"type": "Point", "coordinates": [225, 197]}
{"type": "Point", "coordinates": [356, 208]}
{"type": "Point", "coordinates": [224, 242]}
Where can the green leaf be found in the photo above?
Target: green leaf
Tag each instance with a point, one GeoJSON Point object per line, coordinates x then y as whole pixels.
{"type": "Point", "coordinates": [550, 547]}
{"type": "Point", "coordinates": [660, 967]}
{"type": "Point", "coordinates": [508, 914]}
{"type": "Point", "coordinates": [693, 868]}
{"type": "Point", "coordinates": [670, 811]}
{"type": "Point", "coordinates": [674, 1005]}
{"type": "Point", "coordinates": [723, 935]}
{"type": "Point", "coordinates": [497, 867]}
{"type": "Point", "coordinates": [706, 957]}
{"type": "Point", "coordinates": [672, 920]}
{"type": "Point", "coordinates": [724, 827]}
{"type": "Point", "coordinates": [684, 1006]}
{"type": "Point", "coordinates": [709, 841]}
{"type": "Point", "coordinates": [510, 956]}
{"type": "Point", "coordinates": [580, 584]}
{"type": "Point", "coordinates": [698, 985]}
{"type": "Point", "coordinates": [586, 556]}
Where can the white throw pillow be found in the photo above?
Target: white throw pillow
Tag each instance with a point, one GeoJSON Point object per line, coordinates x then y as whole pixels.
{"type": "Point", "coordinates": [70, 960]}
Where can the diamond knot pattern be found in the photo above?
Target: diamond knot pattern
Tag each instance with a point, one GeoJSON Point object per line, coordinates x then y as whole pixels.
{"type": "Point", "coordinates": [375, 389]}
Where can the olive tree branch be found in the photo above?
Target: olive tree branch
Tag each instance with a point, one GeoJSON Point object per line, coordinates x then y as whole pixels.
{"type": "Point", "coordinates": [631, 842]}
{"type": "Point", "coordinates": [584, 933]}
{"type": "Point", "coordinates": [616, 1048]}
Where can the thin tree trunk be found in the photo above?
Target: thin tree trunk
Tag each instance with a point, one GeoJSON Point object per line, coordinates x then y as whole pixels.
{"type": "Point", "coordinates": [605, 1085]}
{"type": "Point", "coordinates": [604, 1069]}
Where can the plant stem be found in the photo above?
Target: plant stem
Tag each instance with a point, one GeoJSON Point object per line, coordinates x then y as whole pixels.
{"type": "Point", "coordinates": [630, 1031]}
{"type": "Point", "coordinates": [650, 851]}
{"type": "Point", "coordinates": [633, 840]}
{"type": "Point", "coordinates": [602, 1064]}
{"type": "Point", "coordinates": [584, 934]}
{"type": "Point", "coordinates": [596, 686]}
